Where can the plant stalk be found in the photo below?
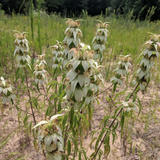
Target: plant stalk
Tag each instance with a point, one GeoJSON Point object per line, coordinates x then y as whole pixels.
{"type": "Point", "coordinates": [29, 94]}
{"type": "Point", "coordinates": [112, 124]}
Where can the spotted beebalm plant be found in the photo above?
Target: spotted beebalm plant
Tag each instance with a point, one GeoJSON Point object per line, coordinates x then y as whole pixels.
{"type": "Point", "coordinates": [39, 70]}
{"type": "Point", "coordinates": [121, 70]}
{"type": "Point", "coordinates": [22, 50]}
{"type": "Point", "coordinates": [6, 91]}
{"type": "Point", "coordinates": [71, 40]}
{"type": "Point", "coordinates": [50, 138]}
{"type": "Point", "coordinates": [82, 81]}
{"type": "Point", "coordinates": [100, 40]}
{"type": "Point", "coordinates": [150, 53]}
{"type": "Point", "coordinates": [57, 55]}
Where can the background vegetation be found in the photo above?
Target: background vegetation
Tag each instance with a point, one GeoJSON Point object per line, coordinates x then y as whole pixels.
{"type": "Point", "coordinates": [70, 8]}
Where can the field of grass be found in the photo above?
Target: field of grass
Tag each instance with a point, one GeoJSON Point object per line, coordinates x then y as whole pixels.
{"type": "Point", "coordinates": [126, 36]}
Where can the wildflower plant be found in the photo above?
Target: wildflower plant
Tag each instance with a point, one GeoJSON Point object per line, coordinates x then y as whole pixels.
{"type": "Point", "coordinates": [22, 50]}
{"type": "Point", "coordinates": [71, 40]}
{"type": "Point", "coordinates": [6, 91]}
{"type": "Point", "coordinates": [150, 53]}
{"type": "Point", "coordinates": [50, 138]}
{"type": "Point", "coordinates": [82, 82]}
{"type": "Point", "coordinates": [57, 55]}
{"type": "Point", "coordinates": [39, 70]}
{"type": "Point", "coordinates": [100, 40]}
{"type": "Point", "coordinates": [121, 70]}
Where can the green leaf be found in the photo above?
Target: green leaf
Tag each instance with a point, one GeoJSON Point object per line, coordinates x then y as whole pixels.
{"type": "Point", "coordinates": [25, 120]}
{"type": "Point", "coordinates": [74, 84]}
{"type": "Point", "coordinates": [75, 64]}
{"type": "Point", "coordinates": [49, 138]}
{"type": "Point", "coordinates": [122, 124]}
{"type": "Point", "coordinates": [52, 83]}
{"type": "Point", "coordinates": [81, 79]}
{"type": "Point", "coordinates": [59, 107]}
{"type": "Point", "coordinates": [93, 139]}
{"type": "Point", "coordinates": [114, 87]}
{"type": "Point", "coordinates": [72, 74]}
{"type": "Point", "coordinates": [69, 41]}
{"type": "Point", "coordinates": [140, 106]}
{"type": "Point", "coordinates": [87, 100]}
{"type": "Point", "coordinates": [114, 136]}
{"type": "Point", "coordinates": [65, 120]}
{"type": "Point", "coordinates": [150, 53]}
{"type": "Point", "coordinates": [78, 95]}
{"type": "Point", "coordinates": [107, 145]}
{"type": "Point", "coordinates": [141, 74]}
{"type": "Point", "coordinates": [85, 65]}
{"type": "Point", "coordinates": [84, 154]}
{"type": "Point", "coordinates": [106, 118]}
{"type": "Point", "coordinates": [69, 147]}
{"type": "Point", "coordinates": [114, 127]}
{"type": "Point", "coordinates": [51, 147]}
{"type": "Point", "coordinates": [71, 117]}
{"type": "Point", "coordinates": [115, 113]}
{"type": "Point", "coordinates": [118, 94]}
{"type": "Point", "coordinates": [84, 118]}
{"type": "Point", "coordinates": [79, 157]}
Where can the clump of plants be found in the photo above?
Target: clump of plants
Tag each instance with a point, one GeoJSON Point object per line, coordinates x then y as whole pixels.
{"type": "Point", "coordinates": [6, 91]}
{"type": "Point", "coordinates": [84, 77]}
{"type": "Point", "coordinates": [150, 53]}
{"type": "Point", "coordinates": [50, 138]}
{"type": "Point", "coordinates": [73, 34]}
{"type": "Point", "coordinates": [39, 70]}
{"type": "Point", "coordinates": [22, 50]}
{"type": "Point", "coordinates": [57, 56]}
{"type": "Point", "coordinates": [100, 40]}
{"type": "Point", "coordinates": [121, 70]}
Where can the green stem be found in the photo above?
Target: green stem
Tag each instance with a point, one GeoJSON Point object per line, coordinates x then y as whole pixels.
{"type": "Point", "coordinates": [112, 124]}
{"type": "Point", "coordinates": [29, 94]}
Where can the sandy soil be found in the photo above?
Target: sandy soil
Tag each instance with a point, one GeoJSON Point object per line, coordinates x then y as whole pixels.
{"type": "Point", "coordinates": [144, 134]}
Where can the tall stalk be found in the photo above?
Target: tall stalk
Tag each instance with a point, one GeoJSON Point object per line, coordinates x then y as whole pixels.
{"type": "Point", "coordinates": [29, 94]}
{"type": "Point", "coordinates": [31, 16]}
{"type": "Point", "coordinates": [39, 30]}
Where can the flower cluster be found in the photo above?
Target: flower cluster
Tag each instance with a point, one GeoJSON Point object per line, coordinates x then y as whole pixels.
{"type": "Point", "coordinates": [50, 138]}
{"type": "Point", "coordinates": [100, 40]}
{"type": "Point", "coordinates": [82, 82]}
{"type": "Point", "coordinates": [73, 24]}
{"type": "Point", "coordinates": [57, 55]}
{"type": "Point", "coordinates": [121, 70]}
{"type": "Point", "coordinates": [6, 91]}
{"type": "Point", "coordinates": [71, 40]}
{"type": "Point", "coordinates": [151, 52]}
{"type": "Point", "coordinates": [22, 50]}
{"type": "Point", "coordinates": [39, 70]}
